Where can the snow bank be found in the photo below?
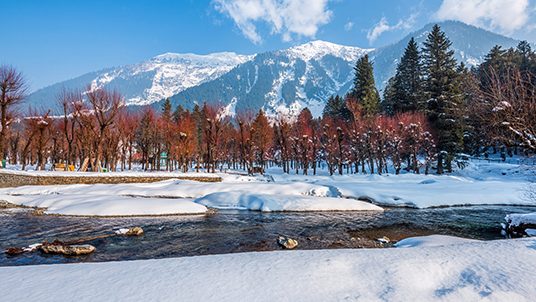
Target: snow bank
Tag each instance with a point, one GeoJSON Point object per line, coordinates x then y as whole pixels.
{"type": "Point", "coordinates": [473, 271]}
{"type": "Point", "coordinates": [278, 203]}
{"type": "Point", "coordinates": [516, 220]}
{"type": "Point", "coordinates": [432, 240]}
{"type": "Point", "coordinates": [423, 191]}
{"type": "Point", "coordinates": [102, 205]}
{"type": "Point", "coordinates": [179, 189]}
{"type": "Point", "coordinates": [443, 191]}
{"type": "Point", "coordinates": [491, 184]}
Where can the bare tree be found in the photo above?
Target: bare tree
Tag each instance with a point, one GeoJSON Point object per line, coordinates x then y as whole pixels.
{"type": "Point", "coordinates": [12, 91]}
{"type": "Point", "coordinates": [105, 106]}
{"type": "Point", "coordinates": [68, 101]}
{"type": "Point", "coordinates": [511, 110]}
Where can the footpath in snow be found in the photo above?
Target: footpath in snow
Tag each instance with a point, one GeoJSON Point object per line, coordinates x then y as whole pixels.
{"type": "Point", "coordinates": [443, 269]}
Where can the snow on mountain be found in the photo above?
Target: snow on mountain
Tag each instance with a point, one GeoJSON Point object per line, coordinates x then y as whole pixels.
{"type": "Point", "coordinates": [171, 73]}
{"type": "Point", "coordinates": [281, 82]}
{"type": "Point", "coordinates": [315, 50]}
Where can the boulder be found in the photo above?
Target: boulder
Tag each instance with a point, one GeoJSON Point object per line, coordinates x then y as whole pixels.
{"type": "Point", "coordinates": [384, 240]}
{"type": "Point", "coordinates": [14, 251]}
{"type": "Point", "coordinates": [38, 212]}
{"type": "Point", "coordinates": [135, 231]}
{"type": "Point", "coordinates": [58, 247]}
{"type": "Point", "coordinates": [287, 243]}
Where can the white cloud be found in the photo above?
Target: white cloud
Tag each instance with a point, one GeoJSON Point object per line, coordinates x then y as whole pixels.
{"type": "Point", "coordinates": [505, 16]}
{"type": "Point", "coordinates": [285, 17]}
{"type": "Point", "coordinates": [383, 26]}
{"type": "Point", "coordinates": [348, 26]}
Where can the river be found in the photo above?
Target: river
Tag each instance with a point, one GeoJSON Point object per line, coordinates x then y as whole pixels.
{"type": "Point", "coordinates": [242, 231]}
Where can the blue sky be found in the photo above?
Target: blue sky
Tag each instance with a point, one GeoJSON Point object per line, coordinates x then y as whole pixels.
{"type": "Point", "coordinates": [55, 40]}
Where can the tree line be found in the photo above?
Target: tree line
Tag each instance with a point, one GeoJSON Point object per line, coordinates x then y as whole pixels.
{"type": "Point", "coordinates": [433, 109]}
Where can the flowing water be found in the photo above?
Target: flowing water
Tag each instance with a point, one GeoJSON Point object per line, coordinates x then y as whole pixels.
{"type": "Point", "coordinates": [241, 231]}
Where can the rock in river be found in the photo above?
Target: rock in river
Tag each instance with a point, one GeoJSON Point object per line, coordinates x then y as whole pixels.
{"type": "Point", "coordinates": [287, 243]}
{"type": "Point", "coordinates": [13, 251]}
{"type": "Point", "coordinates": [384, 240]}
{"type": "Point", "coordinates": [135, 231]}
{"type": "Point", "coordinates": [58, 247]}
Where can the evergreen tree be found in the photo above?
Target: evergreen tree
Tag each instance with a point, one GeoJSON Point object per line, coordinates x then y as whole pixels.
{"type": "Point", "coordinates": [408, 81]}
{"type": "Point", "coordinates": [178, 113]}
{"type": "Point", "coordinates": [492, 66]}
{"type": "Point", "coordinates": [166, 110]}
{"type": "Point", "coordinates": [471, 98]}
{"type": "Point", "coordinates": [364, 89]}
{"type": "Point", "coordinates": [389, 98]}
{"type": "Point", "coordinates": [444, 105]}
{"type": "Point", "coordinates": [527, 61]}
{"type": "Point", "coordinates": [336, 109]}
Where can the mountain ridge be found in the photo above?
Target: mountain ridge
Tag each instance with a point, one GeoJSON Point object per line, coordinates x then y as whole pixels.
{"type": "Point", "coordinates": [280, 81]}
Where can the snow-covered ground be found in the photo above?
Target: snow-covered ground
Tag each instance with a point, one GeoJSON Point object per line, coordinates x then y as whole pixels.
{"type": "Point", "coordinates": [461, 271]}
{"type": "Point", "coordinates": [432, 240]}
{"type": "Point", "coordinates": [479, 184]}
{"type": "Point", "coordinates": [106, 205]}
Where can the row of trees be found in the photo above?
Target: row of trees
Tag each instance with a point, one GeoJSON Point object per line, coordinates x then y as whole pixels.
{"type": "Point", "coordinates": [432, 110]}
{"type": "Point", "coordinates": [469, 110]}
{"type": "Point", "coordinates": [102, 131]}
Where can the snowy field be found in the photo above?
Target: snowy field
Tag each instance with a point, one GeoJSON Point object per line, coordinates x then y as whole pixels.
{"type": "Point", "coordinates": [479, 184]}
{"type": "Point", "coordinates": [432, 269]}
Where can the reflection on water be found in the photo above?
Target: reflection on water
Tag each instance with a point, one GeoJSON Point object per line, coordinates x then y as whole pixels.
{"type": "Point", "coordinates": [242, 231]}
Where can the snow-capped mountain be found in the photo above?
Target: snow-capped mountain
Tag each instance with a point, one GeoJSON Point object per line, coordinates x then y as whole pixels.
{"type": "Point", "coordinates": [281, 81]}
{"type": "Point", "coordinates": [150, 81]}
{"type": "Point", "coordinates": [167, 74]}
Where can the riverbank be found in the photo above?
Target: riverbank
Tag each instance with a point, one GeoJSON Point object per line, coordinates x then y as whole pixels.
{"type": "Point", "coordinates": [468, 271]}
{"type": "Point", "coordinates": [479, 184]}
{"type": "Point", "coordinates": [14, 178]}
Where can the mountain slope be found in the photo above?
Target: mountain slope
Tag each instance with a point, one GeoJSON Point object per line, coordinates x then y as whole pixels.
{"type": "Point", "coordinates": [470, 45]}
{"type": "Point", "coordinates": [150, 81]}
{"type": "Point", "coordinates": [282, 81]}
{"type": "Point", "coordinates": [306, 75]}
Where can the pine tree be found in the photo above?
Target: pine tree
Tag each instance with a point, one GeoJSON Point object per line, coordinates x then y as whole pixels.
{"type": "Point", "coordinates": [179, 113]}
{"type": "Point", "coordinates": [493, 65]}
{"type": "Point", "coordinates": [336, 109]}
{"type": "Point", "coordinates": [389, 97]}
{"type": "Point", "coordinates": [470, 94]}
{"type": "Point", "coordinates": [527, 61]}
{"type": "Point", "coordinates": [166, 110]}
{"type": "Point", "coordinates": [444, 98]}
{"type": "Point", "coordinates": [408, 81]}
{"type": "Point", "coordinates": [364, 89]}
